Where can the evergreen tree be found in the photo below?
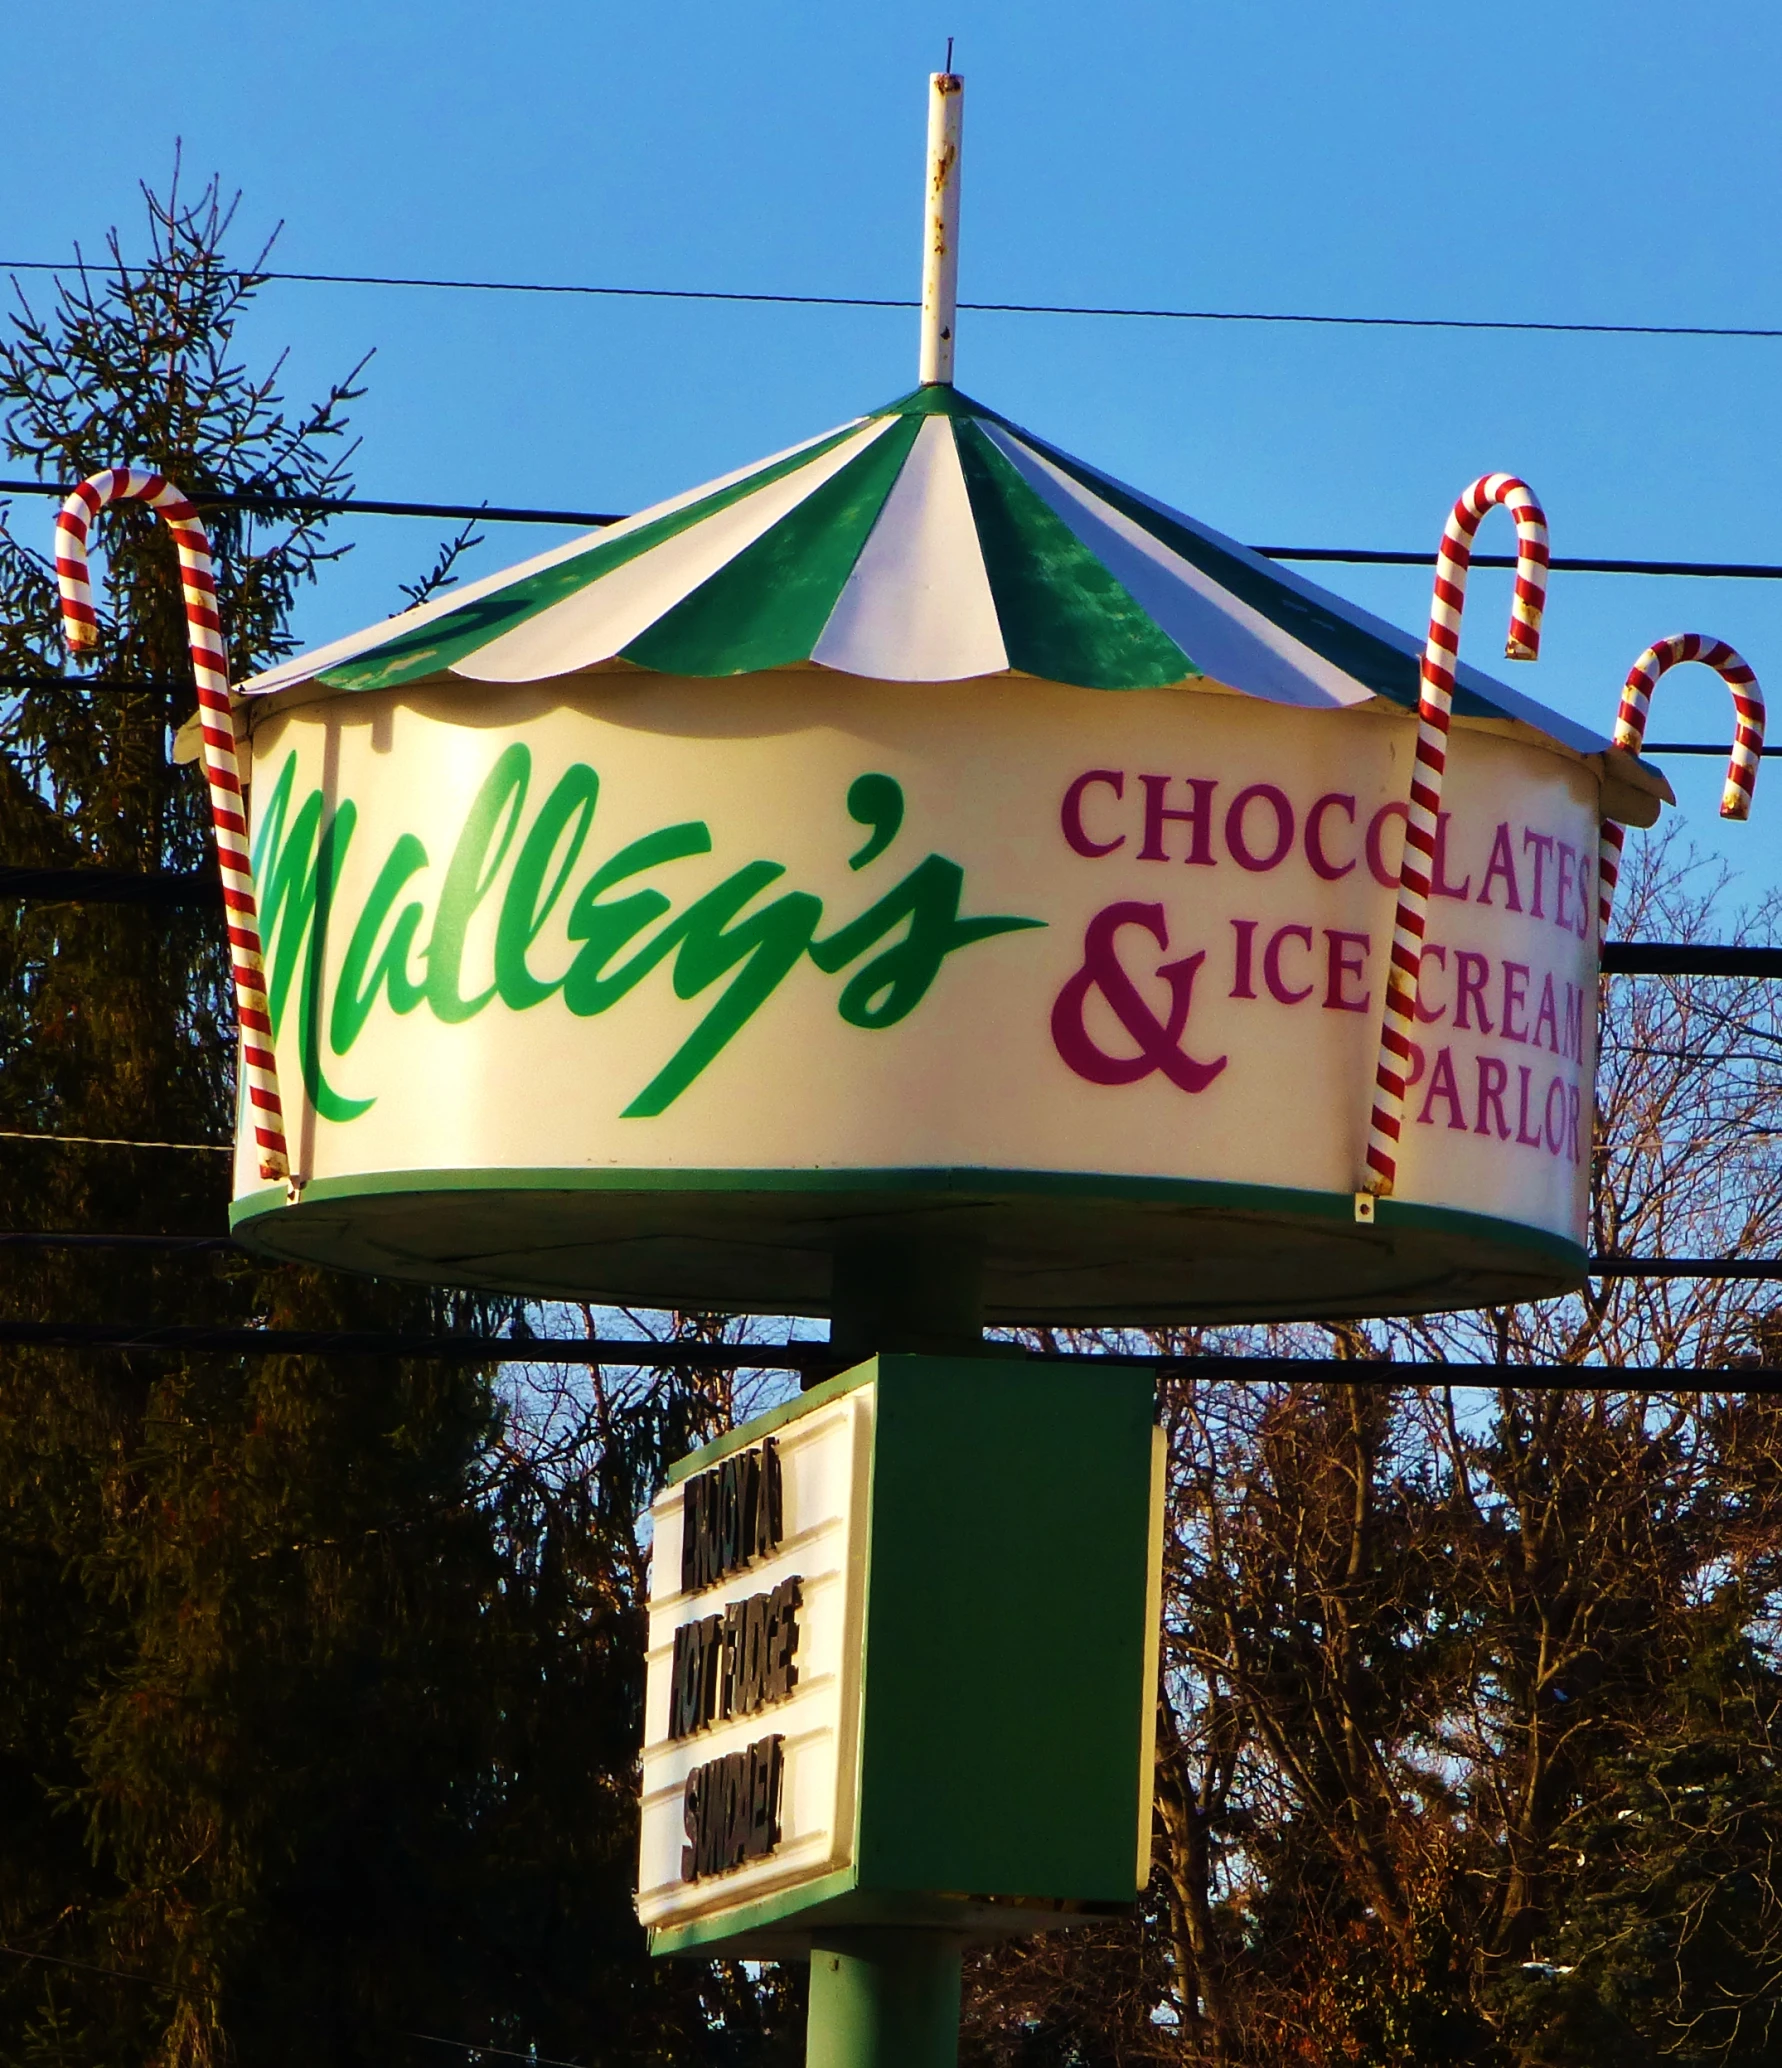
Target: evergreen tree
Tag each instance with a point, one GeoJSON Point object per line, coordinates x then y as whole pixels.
{"type": "Point", "coordinates": [319, 1692]}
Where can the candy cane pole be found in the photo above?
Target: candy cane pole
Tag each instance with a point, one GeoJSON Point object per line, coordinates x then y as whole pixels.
{"type": "Point", "coordinates": [1630, 732]}
{"type": "Point", "coordinates": [80, 625]}
{"type": "Point", "coordinates": [1434, 709]}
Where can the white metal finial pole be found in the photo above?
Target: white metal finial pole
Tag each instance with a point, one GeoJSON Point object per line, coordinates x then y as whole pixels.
{"type": "Point", "coordinates": [940, 228]}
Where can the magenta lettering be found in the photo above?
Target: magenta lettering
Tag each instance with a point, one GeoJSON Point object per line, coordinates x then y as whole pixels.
{"type": "Point", "coordinates": [1198, 817]}
{"type": "Point", "coordinates": [1321, 863]}
{"type": "Point", "coordinates": [1515, 1000]}
{"type": "Point", "coordinates": [1271, 964]}
{"type": "Point", "coordinates": [1440, 886]}
{"type": "Point", "coordinates": [1158, 1040]}
{"type": "Point", "coordinates": [1340, 965]}
{"type": "Point", "coordinates": [1502, 865]}
{"type": "Point", "coordinates": [1542, 843]}
{"type": "Point", "coordinates": [1555, 1128]}
{"type": "Point", "coordinates": [1241, 986]}
{"type": "Point", "coordinates": [1494, 1080]}
{"type": "Point", "coordinates": [1440, 955]}
{"type": "Point", "coordinates": [1442, 1085]}
{"type": "Point", "coordinates": [1571, 1121]}
{"type": "Point", "coordinates": [1386, 878]}
{"type": "Point", "coordinates": [1469, 987]}
{"type": "Point", "coordinates": [1241, 851]}
{"type": "Point", "coordinates": [1523, 1137]}
{"type": "Point", "coordinates": [1572, 1043]}
{"type": "Point", "coordinates": [1568, 867]}
{"type": "Point", "coordinates": [1071, 815]}
{"type": "Point", "coordinates": [1547, 1017]}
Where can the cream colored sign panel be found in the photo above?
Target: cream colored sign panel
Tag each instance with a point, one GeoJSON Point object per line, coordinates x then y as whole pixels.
{"type": "Point", "coordinates": [802, 922]}
{"type": "Point", "coordinates": [770, 1698]}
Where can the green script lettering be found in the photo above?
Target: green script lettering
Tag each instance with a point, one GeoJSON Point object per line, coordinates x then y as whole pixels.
{"type": "Point", "coordinates": [470, 874]}
{"type": "Point", "coordinates": [356, 994]}
{"type": "Point", "coordinates": [895, 983]}
{"type": "Point", "coordinates": [295, 891]}
{"type": "Point", "coordinates": [528, 904]}
{"type": "Point", "coordinates": [300, 855]}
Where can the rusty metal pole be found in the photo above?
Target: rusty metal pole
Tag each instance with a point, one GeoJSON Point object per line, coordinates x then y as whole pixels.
{"type": "Point", "coordinates": [940, 227]}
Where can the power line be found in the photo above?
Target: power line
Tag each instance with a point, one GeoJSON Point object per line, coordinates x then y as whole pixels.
{"type": "Point", "coordinates": [1137, 311]}
{"type": "Point", "coordinates": [183, 1337]}
{"type": "Point", "coordinates": [1688, 959]}
{"type": "Point", "coordinates": [465, 2046]}
{"type": "Point", "coordinates": [344, 505]}
{"type": "Point", "coordinates": [166, 888]}
{"type": "Point", "coordinates": [503, 513]}
{"type": "Point", "coordinates": [1687, 1267]}
{"type": "Point", "coordinates": [15, 1134]}
{"type": "Point", "coordinates": [85, 1967]}
{"type": "Point", "coordinates": [1355, 556]}
{"type": "Point", "coordinates": [1600, 1267]}
{"type": "Point", "coordinates": [1697, 747]}
{"type": "Point", "coordinates": [202, 890]}
{"type": "Point", "coordinates": [808, 1358]}
{"type": "Point", "coordinates": [54, 1238]}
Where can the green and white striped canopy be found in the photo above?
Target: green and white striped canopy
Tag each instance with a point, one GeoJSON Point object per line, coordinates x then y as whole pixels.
{"type": "Point", "coordinates": [931, 541]}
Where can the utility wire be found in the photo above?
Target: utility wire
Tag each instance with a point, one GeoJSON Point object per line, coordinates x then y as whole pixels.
{"type": "Point", "coordinates": [85, 1967]}
{"type": "Point", "coordinates": [1600, 1267]}
{"type": "Point", "coordinates": [502, 513]}
{"type": "Point", "coordinates": [1696, 747]}
{"type": "Point", "coordinates": [814, 1358]}
{"type": "Point", "coordinates": [1356, 556]}
{"type": "Point", "coordinates": [201, 889]}
{"type": "Point", "coordinates": [339, 505]}
{"type": "Point", "coordinates": [465, 2046]}
{"type": "Point", "coordinates": [15, 1134]}
{"type": "Point", "coordinates": [54, 1238]}
{"type": "Point", "coordinates": [1142, 312]}
{"type": "Point", "coordinates": [1688, 959]}
{"type": "Point", "coordinates": [498, 513]}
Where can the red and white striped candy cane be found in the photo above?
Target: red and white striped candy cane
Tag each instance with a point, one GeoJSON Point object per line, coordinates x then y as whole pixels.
{"type": "Point", "coordinates": [1630, 732]}
{"type": "Point", "coordinates": [80, 625]}
{"type": "Point", "coordinates": [1434, 709]}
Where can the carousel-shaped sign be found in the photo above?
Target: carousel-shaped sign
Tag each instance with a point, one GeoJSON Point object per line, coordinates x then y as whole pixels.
{"type": "Point", "coordinates": [921, 837]}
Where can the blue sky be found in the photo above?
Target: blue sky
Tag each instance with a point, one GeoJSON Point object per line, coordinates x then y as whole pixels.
{"type": "Point", "coordinates": [1589, 162]}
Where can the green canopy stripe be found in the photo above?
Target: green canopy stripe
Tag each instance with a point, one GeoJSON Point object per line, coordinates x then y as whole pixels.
{"type": "Point", "coordinates": [767, 607]}
{"type": "Point", "coordinates": [1329, 634]}
{"type": "Point", "coordinates": [428, 648]}
{"type": "Point", "coordinates": [1064, 617]}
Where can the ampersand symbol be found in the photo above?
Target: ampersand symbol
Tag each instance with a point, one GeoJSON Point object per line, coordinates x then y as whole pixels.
{"type": "Point", "coordinates": [1159, 1040]}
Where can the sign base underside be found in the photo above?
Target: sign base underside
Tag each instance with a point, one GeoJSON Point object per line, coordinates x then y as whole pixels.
{"type": "Point", "coordinates": [1055, 1248]}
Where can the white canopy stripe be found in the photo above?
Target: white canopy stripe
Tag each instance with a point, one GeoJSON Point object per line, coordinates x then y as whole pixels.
{"type": "Point", "coordinates": [918, 607]}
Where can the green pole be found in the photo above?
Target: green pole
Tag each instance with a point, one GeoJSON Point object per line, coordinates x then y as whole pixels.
{"type": "Point", "coordinates": [884, 1998]}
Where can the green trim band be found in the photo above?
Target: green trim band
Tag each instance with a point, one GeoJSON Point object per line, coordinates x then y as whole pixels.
{"type": "Point", "coordinates": [750, 1917]}
{"type": "Point", "coordinates": [270, 1203]}
{"type": "Point", "coordinates": [779, 1927]}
